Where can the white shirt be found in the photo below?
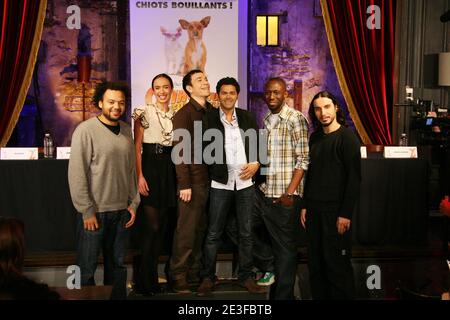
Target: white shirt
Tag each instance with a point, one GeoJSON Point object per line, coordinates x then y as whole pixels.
{"type": "Point", "coordinates": [235, 155]}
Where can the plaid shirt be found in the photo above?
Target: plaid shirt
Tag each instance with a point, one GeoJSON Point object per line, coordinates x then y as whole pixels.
{"type": "Point", "coordinates": [287, 150]}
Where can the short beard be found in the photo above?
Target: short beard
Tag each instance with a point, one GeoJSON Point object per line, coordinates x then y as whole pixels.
{"type": "Point", "coordinates": [110, 119]}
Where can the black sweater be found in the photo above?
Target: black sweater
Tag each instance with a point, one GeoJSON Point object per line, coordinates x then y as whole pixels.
{"type": "Point", "coordinates": [334, 173]}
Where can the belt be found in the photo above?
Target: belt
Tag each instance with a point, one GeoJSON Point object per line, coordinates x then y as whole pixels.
{"type": "Point", "coordinates": [157, 148]}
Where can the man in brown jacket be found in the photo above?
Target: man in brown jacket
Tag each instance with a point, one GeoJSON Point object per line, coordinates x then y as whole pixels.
{"type": "Point", "coordinates": [193, 184]}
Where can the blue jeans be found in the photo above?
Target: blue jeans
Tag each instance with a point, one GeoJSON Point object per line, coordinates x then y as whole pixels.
{"type": "Point", "coordinates": [279, 249]}
{"type": "Point", "coordinates": [220, 202]}
{"type": "Point", "coordinates": [112, 238]}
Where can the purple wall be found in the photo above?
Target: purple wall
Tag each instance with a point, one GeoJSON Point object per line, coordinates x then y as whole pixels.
{"type": "Point", "coordinates": [303, 55]}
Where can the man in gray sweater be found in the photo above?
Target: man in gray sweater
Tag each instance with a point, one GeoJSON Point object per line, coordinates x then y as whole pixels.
{"type": "Point", "coordinates": [102, 181]}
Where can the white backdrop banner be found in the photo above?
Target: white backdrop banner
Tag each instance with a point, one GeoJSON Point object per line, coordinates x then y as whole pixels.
{"type": "Point", "coordinates": [174, 37]}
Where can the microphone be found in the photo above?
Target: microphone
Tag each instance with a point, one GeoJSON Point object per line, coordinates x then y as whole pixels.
{"type": "Point", "coordinates": [445, 17]}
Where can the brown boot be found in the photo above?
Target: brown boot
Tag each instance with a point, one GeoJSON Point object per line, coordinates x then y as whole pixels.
{"type": "Point", "coordinates": [180, 286]}
{"type": "Point", "coordinates": [252, 287]}
{"type": "Point", "coordinates": [206, 287]}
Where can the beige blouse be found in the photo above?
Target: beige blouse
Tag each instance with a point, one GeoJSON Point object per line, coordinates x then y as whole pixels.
{"type": "Point", "coordinates": [157, 124]}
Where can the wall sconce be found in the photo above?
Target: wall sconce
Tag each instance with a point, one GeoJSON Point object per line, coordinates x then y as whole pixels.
{"type": "Point", "coordinates": [268, 30]}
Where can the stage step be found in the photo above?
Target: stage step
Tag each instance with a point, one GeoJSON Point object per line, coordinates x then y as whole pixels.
{"type": "Point", "coordinates": [225, 290]}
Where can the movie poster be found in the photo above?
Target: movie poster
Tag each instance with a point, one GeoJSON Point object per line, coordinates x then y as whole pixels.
{"type": "Point", "coordinates": [174, 37]}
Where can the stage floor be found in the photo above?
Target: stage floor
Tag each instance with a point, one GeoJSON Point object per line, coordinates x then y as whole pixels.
{"type": "Point", "coordinates": [418, 268]}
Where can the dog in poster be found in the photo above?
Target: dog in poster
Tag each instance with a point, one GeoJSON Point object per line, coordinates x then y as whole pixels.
{"type": "Point", "coordinates": [195, 51]}
{"type": "Point", "coordinates": [173, 51]}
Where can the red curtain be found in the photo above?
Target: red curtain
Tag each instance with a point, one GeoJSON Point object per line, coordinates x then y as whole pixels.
{"type": "Point", "coordinates": [21, 27]}
{"type": "Point", "coordinates": [366, 56]}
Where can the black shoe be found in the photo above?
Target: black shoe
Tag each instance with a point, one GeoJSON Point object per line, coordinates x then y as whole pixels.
{"type": "Point", "coordinates": [148, 292]}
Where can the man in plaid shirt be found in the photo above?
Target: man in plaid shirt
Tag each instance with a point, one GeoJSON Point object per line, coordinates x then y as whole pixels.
{"type": "Point", "coordinates": [278, 199]}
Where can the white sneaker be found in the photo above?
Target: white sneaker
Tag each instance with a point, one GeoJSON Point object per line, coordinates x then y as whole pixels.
{"type": "Point", "coordinates": [267, 279]}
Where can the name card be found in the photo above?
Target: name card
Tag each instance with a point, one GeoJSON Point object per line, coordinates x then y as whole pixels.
{"type": "Point", "coordinates": [363, 152]}
{"type": "Point", "coordinates": [400, 152]}
{"type": "Point", "coordinates": [19, 154]}
{"type": "Point", "coordinates": [62, 152]}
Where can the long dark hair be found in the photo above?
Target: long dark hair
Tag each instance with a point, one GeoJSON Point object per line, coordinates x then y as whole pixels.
{"type": "Point", "coordinates": [12, 247]}
{"type": "Point", "coordinates": [340, 115]}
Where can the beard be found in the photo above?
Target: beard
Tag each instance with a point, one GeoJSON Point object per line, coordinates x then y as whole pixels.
{"type": "Point", "coordinates": [327, 124]}
{"type": "Point", "coordinates": [108, 116]}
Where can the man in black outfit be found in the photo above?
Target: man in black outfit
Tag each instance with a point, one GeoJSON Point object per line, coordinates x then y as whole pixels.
{"type": "Point", "coordinates": [331, 190]}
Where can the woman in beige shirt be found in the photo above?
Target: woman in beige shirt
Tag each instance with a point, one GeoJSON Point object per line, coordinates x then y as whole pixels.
{"type": "Point", "coordinates": [153, 133]}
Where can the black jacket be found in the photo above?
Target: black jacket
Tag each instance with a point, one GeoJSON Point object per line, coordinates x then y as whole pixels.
{"type": "Point", "coordinates": [246, 120]}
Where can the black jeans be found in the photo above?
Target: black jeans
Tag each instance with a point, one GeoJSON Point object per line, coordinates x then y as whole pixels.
{"type": "Point", "coordinates": [112, 238]}
{"type": "Point", "coordinates": [220, 203]}
{"type": "Point", "coordinates": [280, 248]}
{"type": "Point", "coordinates": [329, 257]}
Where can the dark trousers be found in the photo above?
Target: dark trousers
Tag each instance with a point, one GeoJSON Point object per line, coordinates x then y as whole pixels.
{"type": "Point", "coordinates": [112, 238]}
{"type": "Point", "coordinates": [282, 225]}
{"type": "Point", "coordinates": [329, 254]}
{"type": "Point", "coordinates": [189, 235]}
{"type": "Point", "coordinates": [220, 203]}
{"type": "Point", "coordinates": [153, 226]}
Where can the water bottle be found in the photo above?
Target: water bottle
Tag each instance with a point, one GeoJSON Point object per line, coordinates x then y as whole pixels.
{"type": "Point", "coordinates": [403, 140]}
{"type": "Point", "coordinates": [48, 146]}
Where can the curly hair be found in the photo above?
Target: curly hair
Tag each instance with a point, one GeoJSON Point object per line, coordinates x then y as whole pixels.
{"type": "Point", "coordinates": [101, 88]}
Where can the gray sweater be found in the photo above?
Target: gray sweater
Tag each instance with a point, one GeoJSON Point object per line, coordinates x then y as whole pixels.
{"type": "Point", "coordinates": [102, 172]}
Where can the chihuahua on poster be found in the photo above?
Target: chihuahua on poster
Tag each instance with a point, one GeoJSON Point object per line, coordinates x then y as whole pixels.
{"type": "Point", "coordinates": [173, 51]}
{"type": "Point", "coordinates": [195, 51]}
